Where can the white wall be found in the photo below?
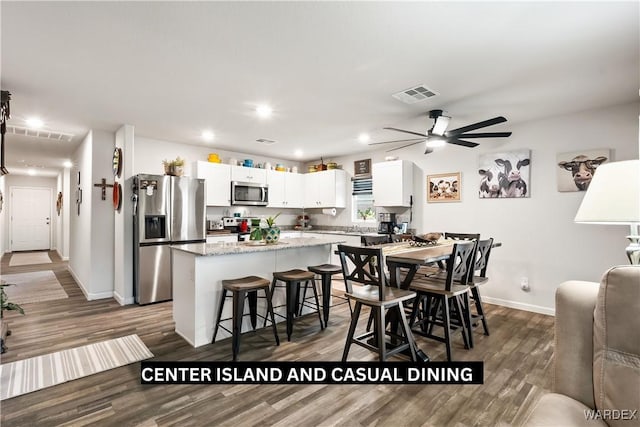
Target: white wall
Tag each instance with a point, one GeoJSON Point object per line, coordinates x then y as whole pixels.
{"type": "Point", "coordinates": [80, 224]}
{"type": "Point", "coordinates": [12, 180]}
{"type": "Point", "coordinates": [3, 230]}
{"type": "Point", "coordinates": [91, 245]}
{"type": "Point", "coordinates": [102, 213]}
{"type": "Point", "coordinates": [540, 240]}
{"type": "Point", "coordinates": [123, 221]}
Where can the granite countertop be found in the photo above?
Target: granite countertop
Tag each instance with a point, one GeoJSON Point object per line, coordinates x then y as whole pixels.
{"type": "Point", "coordinates": [342, 233]}
{"type": "Point", "coordinates": [225, 248]}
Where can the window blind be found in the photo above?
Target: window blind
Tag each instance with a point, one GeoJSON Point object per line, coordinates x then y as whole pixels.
{"type": "Point", "coordinates": [362, 186]}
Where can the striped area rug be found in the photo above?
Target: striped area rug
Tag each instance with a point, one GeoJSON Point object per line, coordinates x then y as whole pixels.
{"type": "Point", "coordinates": [25, 376]}
{"type": "Point", "coordinates": [33, 287]}
{"type": "Point", "coordinates": [29, 258]}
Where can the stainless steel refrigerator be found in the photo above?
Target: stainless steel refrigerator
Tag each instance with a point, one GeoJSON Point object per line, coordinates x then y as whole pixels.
{"type": "Point", "coordinates": [167, 210]}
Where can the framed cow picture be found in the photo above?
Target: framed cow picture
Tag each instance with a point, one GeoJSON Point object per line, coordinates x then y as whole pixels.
{"type": "Point", "coordinates": [577, 168]}
{"type": "Point", "coordinates": [504, 174]}
{"type": "Point", "coordinates": [444, 187]}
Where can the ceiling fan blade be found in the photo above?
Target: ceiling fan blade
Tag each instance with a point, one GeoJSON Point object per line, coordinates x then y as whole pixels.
{"type": "Point", "coordinates": [424, 135]}
{"type": "Point", "coordinates": [484, 135]}
{"type": "Point", "coordinates": [475, 126]}
{"type": "Point", "coordinates": [405, 146]}
{"type": "Point", "coordinates": [463, 143]}
{"type": "Point", "coordinates": [397, 140]}
{"type": "Point", "coordinates": [440, 125]}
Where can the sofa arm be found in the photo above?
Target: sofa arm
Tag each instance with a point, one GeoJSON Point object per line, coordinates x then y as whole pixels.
{"type": "Point", "coordinates": [573, 367]}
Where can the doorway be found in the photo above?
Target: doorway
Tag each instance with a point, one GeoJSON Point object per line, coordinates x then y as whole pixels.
{"type": "Point", "coordinates": [30, 218]}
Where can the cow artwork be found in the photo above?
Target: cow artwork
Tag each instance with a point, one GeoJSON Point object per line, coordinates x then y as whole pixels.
{"type": "Point", "coordinates": [444, 187]}
{"type": "Point", "coordinates": [576, 169]}
{"type": "Point", "coordinates": [504, 175]}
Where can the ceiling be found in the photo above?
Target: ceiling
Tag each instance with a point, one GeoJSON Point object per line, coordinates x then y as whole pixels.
{"type": "Point", "coordinates": [328, 69]}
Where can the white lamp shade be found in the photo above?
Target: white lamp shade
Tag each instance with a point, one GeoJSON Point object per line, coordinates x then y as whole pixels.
{"type": "Point", "coordinates": [613, 197]}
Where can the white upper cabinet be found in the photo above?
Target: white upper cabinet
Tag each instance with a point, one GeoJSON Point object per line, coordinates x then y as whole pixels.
{"type": "Point", "coordinates": [286, 190]}
{"type": "Point", "coordinates": [242, 174]}
{"type": "Point", "coordinates": [326, 189]}
{"type": "Point", "coordinates": [392, 183]}
{"type": "Point", "coordinates": [217, 177]}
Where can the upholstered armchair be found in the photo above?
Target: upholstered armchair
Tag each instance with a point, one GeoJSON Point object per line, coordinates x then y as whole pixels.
{"type": "Point", "coordinates": [597, 354]}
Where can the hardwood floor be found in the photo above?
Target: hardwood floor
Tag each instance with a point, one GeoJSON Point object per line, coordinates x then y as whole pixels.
{"type": "Point", "coordinates": [517, 357]}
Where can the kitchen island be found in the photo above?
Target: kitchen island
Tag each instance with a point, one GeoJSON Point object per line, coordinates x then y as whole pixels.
{"type": "Point", "coordinates": [199, 268]}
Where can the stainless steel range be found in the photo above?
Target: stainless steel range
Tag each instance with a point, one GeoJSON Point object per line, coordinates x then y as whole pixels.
{"type": "Point", "coordinates": [167, 210]}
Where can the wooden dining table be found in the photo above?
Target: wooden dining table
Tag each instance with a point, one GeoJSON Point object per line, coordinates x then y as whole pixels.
{"type": "Point", "coordinates": [404, 256]}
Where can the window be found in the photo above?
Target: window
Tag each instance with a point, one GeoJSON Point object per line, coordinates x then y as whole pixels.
{"type": "Point", "coordinates": [362, 201]}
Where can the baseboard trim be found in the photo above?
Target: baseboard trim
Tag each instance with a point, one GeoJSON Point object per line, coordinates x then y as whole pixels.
{"type": "Point", "coordinates": [123, 301]}
{"type": "Point", "coordinates": [520, 306]}
{"type": "Point", "coordinates": [185, 338]}
{"type": "Point", "coordinates": [78, 281]}
{"type": "Point", "coordinates": [63, 258]}
{"type": "Point", "coordinates": [88, 295]}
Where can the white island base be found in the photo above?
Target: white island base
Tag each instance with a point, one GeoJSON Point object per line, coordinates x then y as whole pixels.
{"type": "Point", "coordinates": [199, 268]}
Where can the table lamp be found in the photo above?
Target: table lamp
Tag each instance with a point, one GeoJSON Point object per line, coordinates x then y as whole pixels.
{"type": "Point", "coordinates": [613, 197]}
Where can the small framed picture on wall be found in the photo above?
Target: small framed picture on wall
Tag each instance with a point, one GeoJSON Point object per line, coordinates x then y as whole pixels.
{"type": "Point", "coordinates": [444, 187]}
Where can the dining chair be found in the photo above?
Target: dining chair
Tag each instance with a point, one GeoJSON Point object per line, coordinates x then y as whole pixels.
{"type": "Point", "coordinates": [461, 236]}
{"type": "Point", "coordinates": [363, 266]}
{"type": "Point", "coordinates": [375, 240]}
{"type": "Point", "coordinates": [434, 295]}
{"type": "Point", "coordinates": [483, 252]}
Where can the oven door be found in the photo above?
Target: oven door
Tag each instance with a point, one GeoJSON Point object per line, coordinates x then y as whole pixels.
{"type": "Point", "coordinates": [248, 193]}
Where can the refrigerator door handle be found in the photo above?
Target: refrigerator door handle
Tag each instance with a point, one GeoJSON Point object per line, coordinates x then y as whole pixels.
{"type": "Point", "coordinates": [134, 199]}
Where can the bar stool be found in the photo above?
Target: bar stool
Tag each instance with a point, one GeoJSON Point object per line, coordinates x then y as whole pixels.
{"type": "Point", "coordinates": [293, 279]}
{"type": "Point", "coordinates": [240, 288]}
{"type": "Point", "coordinates": [326, 271]}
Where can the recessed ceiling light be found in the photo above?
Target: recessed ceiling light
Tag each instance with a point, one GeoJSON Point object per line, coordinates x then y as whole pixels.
{"type": "Point", "coordinates": [207, 135]}
{"type": "Point", "coordinates": [264, 111]}
{"type": "Point", "coordinates": [67, 164]}
{"type": "Point", "coordinates": [34, 122]}
{"type": "Point", "coordinates": [31, 171]}
{"type": "Point", "coordinates": [364, 138]}
{"type": "Point", "coordinates": [298, 153]}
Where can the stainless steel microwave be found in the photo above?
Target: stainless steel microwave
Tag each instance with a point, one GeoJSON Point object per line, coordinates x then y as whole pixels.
{"type": "Point", "coordinates": [249, 193]}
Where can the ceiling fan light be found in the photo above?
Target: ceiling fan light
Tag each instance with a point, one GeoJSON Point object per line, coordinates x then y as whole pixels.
{"type": "Point", "coordinates": [440, 125]}
{"type": "Point", "coordinates": [435, 142]}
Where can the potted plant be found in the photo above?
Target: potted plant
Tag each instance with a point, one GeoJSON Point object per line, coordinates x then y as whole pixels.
{"type": "Point", "coordinates": [271, 234]}
{"type": "Point", "coordinates": [173, 167]}
{"type": "Point", "coordinates": [5, 304]}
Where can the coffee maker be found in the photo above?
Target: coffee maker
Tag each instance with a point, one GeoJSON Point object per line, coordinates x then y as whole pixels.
{"type": "Point", "coordinates": [387, 222]}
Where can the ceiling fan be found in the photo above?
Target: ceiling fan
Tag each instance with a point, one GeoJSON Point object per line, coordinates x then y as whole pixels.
{"type": "Point", "coordinates": [437, 136]}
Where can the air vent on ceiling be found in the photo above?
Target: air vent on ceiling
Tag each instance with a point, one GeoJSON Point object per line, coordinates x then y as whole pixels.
{"type": "Point", "coordinates": [414, 94]}
{"type": "Point", "coordinates": [40, 133]}
{"type": "Point", "coordinates": [265, 141]}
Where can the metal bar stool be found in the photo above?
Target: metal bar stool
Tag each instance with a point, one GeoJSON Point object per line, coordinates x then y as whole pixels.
{"type": "Point", "coordinates": [246, 287]}
{"type": "Point", "coordinates": [325, 271]}
{"type": "Point", "coordinates": [293, 279]}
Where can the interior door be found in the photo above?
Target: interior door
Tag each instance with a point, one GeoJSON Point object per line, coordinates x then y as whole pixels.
{"type": "Point", "coordinates": [30, 218]}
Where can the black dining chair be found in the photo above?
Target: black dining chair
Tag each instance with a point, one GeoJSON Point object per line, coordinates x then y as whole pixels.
{"type": "Point", "coordinates": [483, 252]}
{"type": "Point", "coordinates": [434, 295]}
{"type": "Point", "coordinates": [363, 267]}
